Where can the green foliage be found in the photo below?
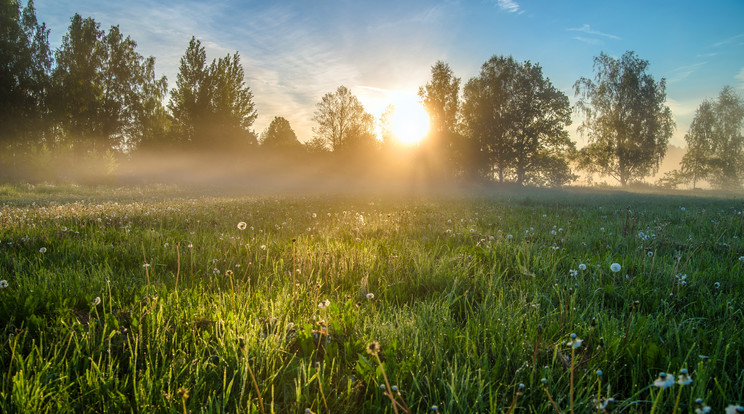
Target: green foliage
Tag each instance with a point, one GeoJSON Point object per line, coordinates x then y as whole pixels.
{"type": "Point", "coordinates": [715, 142]}
{"type": "Point", "coordinates": [517, 120]}
{"type": "Point", "coordinates": [105, 95]}
{"type": "Point", "coordinates": [343, 124]}
{"type": "Point", "coordinates": [25, 62]}
{"type": "Point", "coordinates": [279, 135]}
{"type": "Point", "coordinates": [627, 121]}
{"type": "Point", "coordinates": [460, 287]}
{"type": "Point", "coordinates": [212, 106]}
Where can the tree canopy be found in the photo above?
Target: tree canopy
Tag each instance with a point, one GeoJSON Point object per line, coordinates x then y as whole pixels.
{"type": "Point", "coordinates": [212, 106]}
{"type": "Point", "coordinates": [517, 120]}
{"type": "Point", "coordinates": [626, 119]}
{"type": "Point", "coordinates": [715, 142]}
{"type": "Point", "coordinates": [342, 122]}
{"type": "Point", "coordinates": [280, 135]}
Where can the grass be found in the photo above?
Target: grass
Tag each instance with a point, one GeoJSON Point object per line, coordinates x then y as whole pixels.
{"type": "Point", "coordinates": [151, 299]}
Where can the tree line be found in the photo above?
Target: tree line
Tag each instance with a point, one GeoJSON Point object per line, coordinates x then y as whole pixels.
{"type": "Point", "coordinates": [95, 98]}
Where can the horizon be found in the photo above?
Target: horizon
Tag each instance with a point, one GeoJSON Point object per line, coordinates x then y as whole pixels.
{"type": "Point", "coordinates": [384, 52]}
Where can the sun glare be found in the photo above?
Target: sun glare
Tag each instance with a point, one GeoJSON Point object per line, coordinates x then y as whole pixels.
{"type": "Point", "coordinates": [410, 122]}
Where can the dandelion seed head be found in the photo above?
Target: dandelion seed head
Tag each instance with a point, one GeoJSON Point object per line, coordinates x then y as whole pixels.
{"type": "Point", "coordinates": [615, 267]}
{"type": "Point", "coordinates": [373, 348]}
{"type": "Point", "coordinates": [242, 225]}
{"type": "Point", "coordinates": [96, 301]}
{"type": "Point", "coordinates": [370, 296]}
{"type": "Point", "coordinates": [582, 267]}
{"type": "Point", "coordinates": [43, 250]}
{"type": "Point", "coordinates": [664, 381]}
{"type": "Point", "coordinates": [3, 284]}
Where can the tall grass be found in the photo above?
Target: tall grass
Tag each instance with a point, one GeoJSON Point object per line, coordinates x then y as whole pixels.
{"type": "Point", "coordinates": [470, 297]}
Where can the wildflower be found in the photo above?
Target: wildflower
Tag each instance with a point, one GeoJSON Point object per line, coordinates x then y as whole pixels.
{"type": "Point", "coordinates": [575, 341]}
{"type": "Point", "coordinates": [684, 378]}
{"type": "Point", "coordinates": [42, 250]}
{"type": "Point", "coordinates": [573, 272]}
{"type": "Point", "coordinates": [3, 284]}
{"type": "Point", "coordinates": [382, 387]}
{"type": "Point", "coordinates": [324, 304]}
{"type": "Point", "coordinates": [434, 408]}
{"type": "Point", "coordinates": [146, 265]}
{"type": "Point", "coordinates": [599, 372]}
{"type": "Point", "coordinates": [544, 381]}
{"type": "Point", "coordinates": [741, 258]}
{"type": "Point", "coordinates": [370, 296]}
{"type": "Point", "coordinates": [582, 267]}
{"type": "Point", "coordinates": [242, 225]}
{"type": "Point", "coordinates": [615, 267]}
{"type": "Point", "coordinates": [357, 240]}
{"type": "Point", "coordinates": [97, 301]}
{"type": "Point", "coordinates": [717, 285]}
{"type": "Point", "coordinates": [604, 403]}
{"type": "Point", "coordinates": [508, 237]}
{"type": "Point", "coordinates": [394, 388]}
{"type": "Point", "coordinates": [263, 247]}
{"type": "Point", "coordinates": [733, 409]}
{"type": "Point", "coordinates": [664, 381]}
{"type": "Point", "coordinates": [373, 348]}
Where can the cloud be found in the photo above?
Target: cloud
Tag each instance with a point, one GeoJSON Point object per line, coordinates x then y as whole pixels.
{"type": "Point", "coordinates": [588, 30]}
{"type": "Point", "coordinates": [730, 40]}
{"type": "Point", "coordinates": [707, 55]}
{"type": "Point", "coordinates": [683, 72]}
{"type": "Point", "coordinates": [510, 6]}
{"type": "Point", "coordinates": [587, 40]}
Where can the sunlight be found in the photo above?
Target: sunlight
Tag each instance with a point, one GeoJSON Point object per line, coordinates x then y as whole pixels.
{"type": "Point", "coordinates": [410, 122]}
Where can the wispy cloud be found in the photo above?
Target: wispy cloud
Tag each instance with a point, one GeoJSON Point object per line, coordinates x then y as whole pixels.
{"type": "Point", "coordinates": [730, 40]}
{"type": "Point", "coordinates": [510, 6]}
{"type": "Point", "coordinates": [707, 55]}
{"type": "Point", "coordinates": [683, 72]}
{"type": "Point", "coordinates": [740, 77]}
{"type": "Point", "coordinates": [588, 30]}
{"type": "Point", "coordinates": [590, 41]}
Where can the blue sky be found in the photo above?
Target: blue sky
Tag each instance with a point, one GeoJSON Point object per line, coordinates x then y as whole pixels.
{"type": "Point", "coordinates": [296, 51]}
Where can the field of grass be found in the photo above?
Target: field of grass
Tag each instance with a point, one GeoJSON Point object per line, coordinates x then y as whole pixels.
{"type": "Point", "coordinates": [157, 299]}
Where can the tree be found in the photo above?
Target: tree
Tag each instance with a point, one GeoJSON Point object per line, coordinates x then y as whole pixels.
{"type": "Point", "coordinates": [627, 122]}
{"type": "Point", "coordinates": [518, 119]}
{"type": "Point", "coordinates": [343, 123]}
{"type": "Point", "coordinates": [440, 98]}
{"type": "Point", "coordinates": [233, 110]}
{"type": "Point", "coordinates": [715, 142]}
{"type": "Point", "coordinates": [25, 64]}
{"type": "Point", "coordinates": [279, 135]}
{"type": "Point", "coordinates": [103, 90]}
{"type": "Point", "coordinates": [211, 105]}
{"type": "Point", "coordinates": [696, 162]}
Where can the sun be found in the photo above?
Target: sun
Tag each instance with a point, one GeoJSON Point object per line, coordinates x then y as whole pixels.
{"type": "Point", "coordinates": [410, 122]}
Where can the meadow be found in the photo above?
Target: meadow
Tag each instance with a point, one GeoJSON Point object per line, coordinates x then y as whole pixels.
{"type": "Point", "coordinates": [166, 299]}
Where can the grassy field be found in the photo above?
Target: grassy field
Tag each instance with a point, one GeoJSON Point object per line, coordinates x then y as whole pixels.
{"type": "Point", "coordinates": [160, 299]}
